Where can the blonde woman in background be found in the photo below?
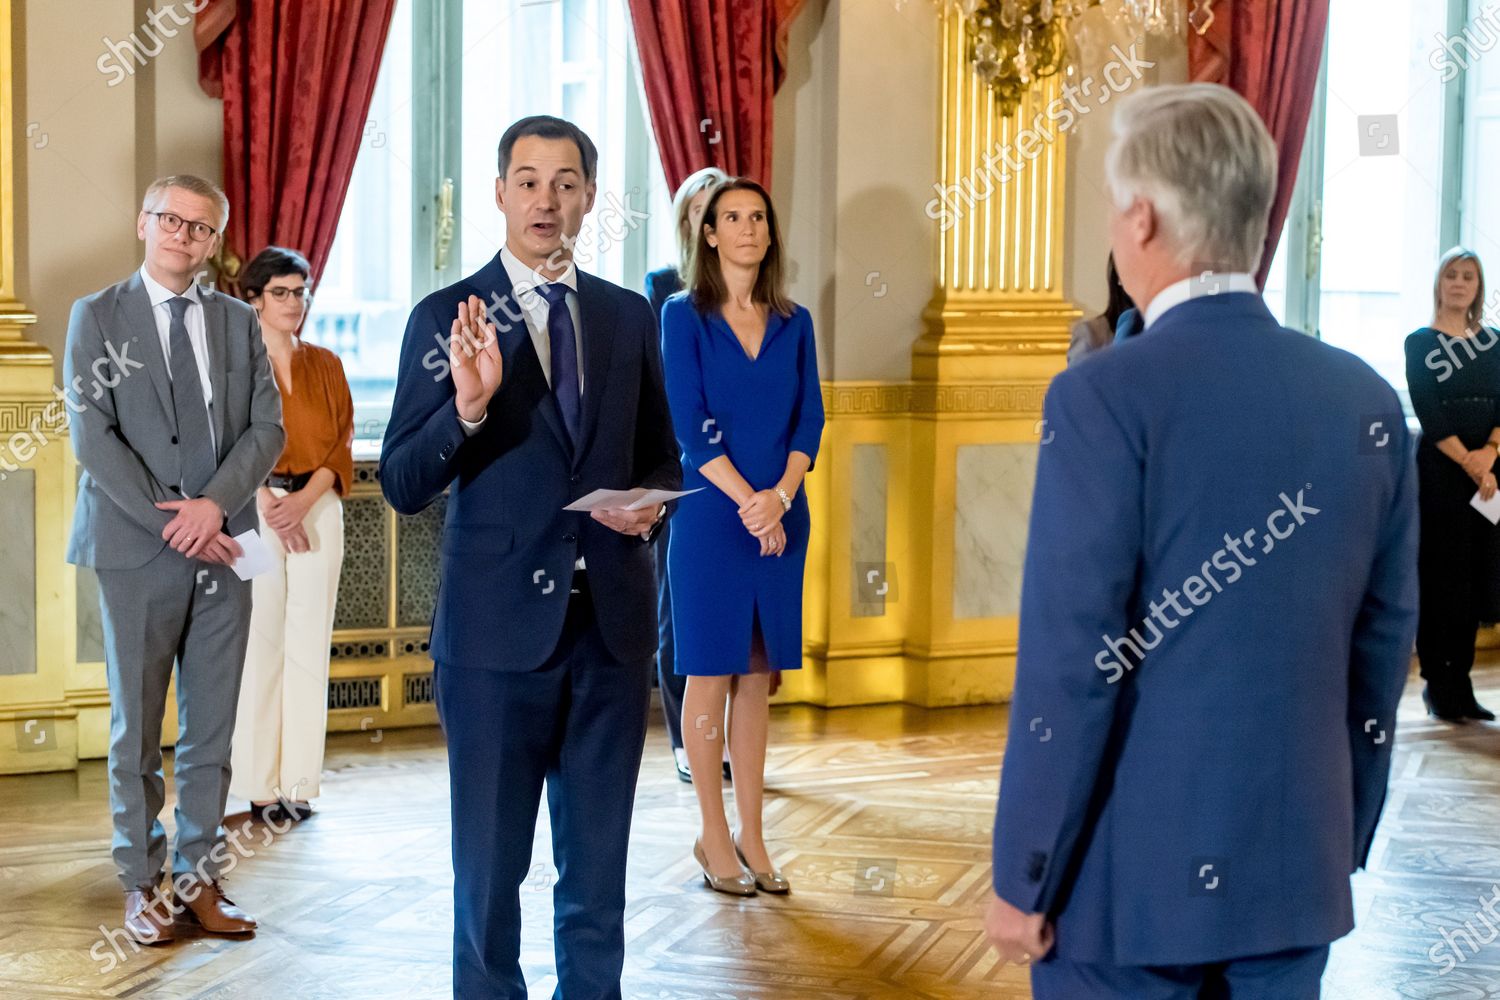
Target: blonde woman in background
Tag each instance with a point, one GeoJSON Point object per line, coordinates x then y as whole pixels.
{"type": "Point", "coordinates": [687, 208]}
{"type": "Point", "coordinates": [1454, 379]}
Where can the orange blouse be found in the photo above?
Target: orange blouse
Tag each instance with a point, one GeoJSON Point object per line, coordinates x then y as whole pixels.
{"type": "Point", "coordinates": [318, 414]}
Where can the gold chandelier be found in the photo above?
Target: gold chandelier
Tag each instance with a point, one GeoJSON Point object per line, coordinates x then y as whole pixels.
{"type": "Point", "coordinates": [1015, 43]}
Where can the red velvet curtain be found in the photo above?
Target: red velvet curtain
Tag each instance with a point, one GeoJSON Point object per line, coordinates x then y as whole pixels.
{"type": "Point", "coordinates": [1269, 52]}
{"type": "Point", "coordinates": [296, 77]}
{"type": "Point", "coordinates": [711, 68]}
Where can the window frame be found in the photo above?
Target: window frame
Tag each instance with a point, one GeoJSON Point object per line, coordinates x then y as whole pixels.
{"type": "Point", "coordinates": [437, 80]}
{"type": "Point", "coordinates": [1304, 226]}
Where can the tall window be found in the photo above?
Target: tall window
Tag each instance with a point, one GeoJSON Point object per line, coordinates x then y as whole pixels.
{"type": "Point", "coordinates": [361, 302]}
{"type": "Point", "coordinates": [1475, 46]}
{"type": "Point", "coordinates": [1377, 197]}
{"type": "Point", "coordinates": [421, 207]}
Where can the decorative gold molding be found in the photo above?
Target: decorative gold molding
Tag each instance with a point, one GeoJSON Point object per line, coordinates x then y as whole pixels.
{"type": "Point", "coordinates": [911, 650]}
{"type": "Point", "coordinates": [24, 415]}
{"type": "Point", "coordinates": [995, 333]}
{"type": "Point", "coordinates": [34, 698]}
{"type": "Point", "coordinates": [13, 315]}
{"type": "Point", "coordinates": [882, 399]}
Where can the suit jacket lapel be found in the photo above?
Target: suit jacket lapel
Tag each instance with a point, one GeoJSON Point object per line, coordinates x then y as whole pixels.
{"type": "Point", "coordinates": [136, 304]}
{"type": "Point", "coordinates": [216, 337]}
{"type": "Point", "coordinates": [596, 313]}
{"type": "Point", "coordinates": [521, 369]}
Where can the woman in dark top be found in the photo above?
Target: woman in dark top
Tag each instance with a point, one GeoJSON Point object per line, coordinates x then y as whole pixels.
{"type": "Point", "coordinates": [742, 381]}
{"type": "Point", "coordinates": [687, 207]}
{"type": "Point", "coordinates": [1453, 372]}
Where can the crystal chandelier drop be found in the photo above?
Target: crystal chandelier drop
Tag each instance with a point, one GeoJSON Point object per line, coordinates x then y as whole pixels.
{"type": "Point", "coordinates": [1015, 43]}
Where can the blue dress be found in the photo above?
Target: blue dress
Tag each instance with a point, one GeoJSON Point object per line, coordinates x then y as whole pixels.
{"type": "Point", "coordinates": [757, 413]}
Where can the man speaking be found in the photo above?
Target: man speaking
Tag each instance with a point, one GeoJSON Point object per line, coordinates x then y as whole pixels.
{"type": "Point", "coordinates": [545, 631]}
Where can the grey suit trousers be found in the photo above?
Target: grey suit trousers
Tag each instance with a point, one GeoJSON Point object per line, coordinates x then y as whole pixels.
{"type": "Point", "coordinates": [197, 615]}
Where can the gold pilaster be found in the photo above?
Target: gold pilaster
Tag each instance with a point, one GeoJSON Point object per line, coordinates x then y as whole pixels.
{"type": "Point", "coordinates": [38, 726]}
{"type": "Point", "coordinates": [992, 338]}
{"type": "Point", "coordinates": [16, 353]}
{"type": "Point", "coordinates": [999, 311]}
{"type": "Point", "coordinates": [996, 332]}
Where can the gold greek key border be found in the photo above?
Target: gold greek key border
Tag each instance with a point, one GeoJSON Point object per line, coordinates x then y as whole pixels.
{"type": "Point", "coordinates": [47, 416]}
{"type": "Point", "coordinates": [897, 398]}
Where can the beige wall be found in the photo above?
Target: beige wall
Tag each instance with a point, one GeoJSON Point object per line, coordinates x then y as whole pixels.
{"type": "Point", "coordinates": [1087, 226]}
{"type": "Point", "coordinates": [854, 166]}
{"type": "Point", "coordinates": [78, 195]}
{"type": "Point", "coordinates": [856, 148]}
{"type": "Point", "coordinates": [855, 163]}
{"type": "Point", "coordinates": [803, 162]}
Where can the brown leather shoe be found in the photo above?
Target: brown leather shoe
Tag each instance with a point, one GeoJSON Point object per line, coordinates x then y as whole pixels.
{"type": "Point", "coordinates": [148, 919]}
{"type": "Point", "coordinates": [205, 905]}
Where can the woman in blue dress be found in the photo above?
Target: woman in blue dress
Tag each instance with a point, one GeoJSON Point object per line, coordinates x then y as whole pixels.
{"type": "Point", "coordinates": [742, 382]}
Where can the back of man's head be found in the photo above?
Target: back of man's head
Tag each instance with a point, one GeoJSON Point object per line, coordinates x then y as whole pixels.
{"type": "Point", "coordinates": [1203, 158]}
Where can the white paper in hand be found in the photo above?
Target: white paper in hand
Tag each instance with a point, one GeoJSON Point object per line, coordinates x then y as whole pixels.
{"type": "Point", "coordinates": [257, 556]}
{"type": "Point", "coordinates": [636, 499]}
{"type": "Point", "coordinates": [1489, 508]}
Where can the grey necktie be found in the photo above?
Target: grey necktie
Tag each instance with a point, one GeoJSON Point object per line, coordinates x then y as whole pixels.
{"type": "Point", "coordinates": [194, 440]}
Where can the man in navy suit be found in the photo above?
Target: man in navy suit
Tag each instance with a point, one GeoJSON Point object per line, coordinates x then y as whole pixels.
{"type": "Point", "coordinates": [522, 388]}
{"type": "Point", "coordinates": [1217, 614]}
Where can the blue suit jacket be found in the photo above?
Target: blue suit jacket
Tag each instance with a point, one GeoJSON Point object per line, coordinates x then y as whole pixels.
{"type": "Point", "coordinates": [508, 547]}
{"type": "Point", "coordinates": [1238, 501]}
{"type": "Point", "coordinates": [662, 284]}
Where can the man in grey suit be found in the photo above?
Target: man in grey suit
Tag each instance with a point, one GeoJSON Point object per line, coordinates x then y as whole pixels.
{"type": "Point", "coordinates": [176, 421]}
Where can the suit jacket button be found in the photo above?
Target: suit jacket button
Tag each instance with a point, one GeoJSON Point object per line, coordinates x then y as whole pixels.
{"type": "Point", "coordinates": [575, 480]}
{"type": "Point", "coordinates": [570, 538]}
{"type": "Point", "coordinates": [447, 450]}
{"type": "Point", "coordinates": [174, 438]}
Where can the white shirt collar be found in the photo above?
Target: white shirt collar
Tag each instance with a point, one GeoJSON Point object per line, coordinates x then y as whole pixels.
{"type": "Point", "coordinates": [524, 280]}
{"type": "Point", "coordinates": [161, 293]}
{"type": "Point", "coordinates": [1198, 286]}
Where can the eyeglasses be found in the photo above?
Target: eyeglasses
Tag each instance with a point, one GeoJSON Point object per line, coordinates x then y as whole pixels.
{"type": "Point", "coordinates": [170, 223]}
{"type": "Point", "coordinates": [280, 293]}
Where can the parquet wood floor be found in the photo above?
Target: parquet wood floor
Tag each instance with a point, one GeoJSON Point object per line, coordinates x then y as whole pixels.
{"type": "Point", "coordinates": [879, 816]}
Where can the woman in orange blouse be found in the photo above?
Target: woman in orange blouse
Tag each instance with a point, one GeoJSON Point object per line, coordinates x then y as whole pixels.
{"type": "Point", "coordinates": [277, 757]}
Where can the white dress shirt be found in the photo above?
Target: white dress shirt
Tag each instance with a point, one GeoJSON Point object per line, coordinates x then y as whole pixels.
{"type": "Point", "coordinates": [1197, 287]}
{"type": "Point", "coordinates": [197, 335]}
{"type": "Point", "coordinates": [524, 281]}
{"type": "Point", "coordinates": [536, 310]}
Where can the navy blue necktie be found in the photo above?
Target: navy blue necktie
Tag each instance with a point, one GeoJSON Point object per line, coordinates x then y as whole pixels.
{"type": "Point", "coordinates": [195, 440]}
{"type": "Point", "coordinates": [564, 354]}
{"type": "Point", "coordinates": [1131, 325]}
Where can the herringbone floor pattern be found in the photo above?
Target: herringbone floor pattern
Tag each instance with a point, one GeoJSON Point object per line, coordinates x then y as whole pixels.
{"type": "Point", "coordinates": [879, 816]}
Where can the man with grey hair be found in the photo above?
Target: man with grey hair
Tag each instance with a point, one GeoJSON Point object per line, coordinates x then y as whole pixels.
{"type": "Point", "coordinates": [1217, 613]}
{"type": "Point", "coordinates": [176, 421]}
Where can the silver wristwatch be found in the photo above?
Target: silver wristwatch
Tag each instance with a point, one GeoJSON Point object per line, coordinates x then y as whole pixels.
{"type": "Point", "coordinates": [786, 501]}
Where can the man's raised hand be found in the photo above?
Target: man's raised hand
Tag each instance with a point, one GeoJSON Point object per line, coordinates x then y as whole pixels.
{"type": "Point", "coordinates": [474, 347]}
